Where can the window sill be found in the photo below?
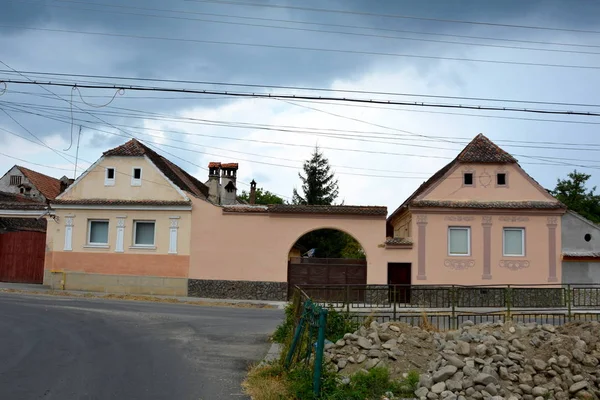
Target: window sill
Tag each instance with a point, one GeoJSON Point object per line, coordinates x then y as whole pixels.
{"type": "Point", "coordinates": [459, 255]}
{"type": "Point", "coordinates": [513, 255]}
{"type": "Point", "coordinates": [142, 247]}
{"type": "Point", "coordinates": [96, 246]}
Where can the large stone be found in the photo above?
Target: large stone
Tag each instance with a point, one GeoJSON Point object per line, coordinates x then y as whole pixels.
{"type": "Point", "coordinates": [539, 391]}
{"type": "Point", "coordinates": [439, 387]}
{"type": "Point", "coordinates": [342, 362]}
{"type": "Point", "coordinates": [516, 356]}
{"type": "Point", "coordinates": [589, 361]}
{"type": "Point", "coordinates": [364, 343]}
{"type": "Point", "coordinates": [525, 378]}
{"type": "Point", "coordinates": [485, 379]}
{"type": "Point", "coordinates": [374, 353]}
{"type": "Point", "coordinates": [453, 360]}
{"type": "Point", "coordinates": [481, 349]}
{"type": "Point", "coordinates": [371, 363]}
{"type": "Point", "coordinates": [577, 386]}
{"type": "Point", "coordinates": [444, 373]}
{"type": "Point", "coordinates": [525, 388]}
{"type": "Point", "coordinates": [538, 364]}
{"type": "Point", "coordinates": [361, 358]}
{"type": "Point", "coordinates": [563, 361]}
{"type": "Point", "coordinates": [385, 336]}
{"type": "Point", "coordinates": [470, 371]}
{"type": "Point", "coordinates": [463, 348]}
{"type": "Point", "coordinates": [518, 345]}
{"type": "Point", "coordinates": [491, 389]}
{"type": "Point", "coordinates": [421, 392]}
{"type": "Point", "coordinates": [578, 354]}
{"type": "Point", "coordinates": [390, 344]}
{"type": "Point", "coordinates": [453, 385]}
{"type": "Point", "coordinates": [432, 396]}
{"type": "Point", "coordinates": [394, 328]}
{"type": "Point", "coordinates": [425, 380]}
{"type": "Point", "coordinates": [549, 328]}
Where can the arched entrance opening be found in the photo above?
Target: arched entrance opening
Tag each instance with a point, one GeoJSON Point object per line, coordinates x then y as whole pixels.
{"type": "Point", "coordinates": [324, 261]}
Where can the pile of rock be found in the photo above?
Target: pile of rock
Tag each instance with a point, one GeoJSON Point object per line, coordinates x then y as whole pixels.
{"type": "Point", "coordinates": [491, 360]}
{"type": "Point", "coordinates": [527, 362]}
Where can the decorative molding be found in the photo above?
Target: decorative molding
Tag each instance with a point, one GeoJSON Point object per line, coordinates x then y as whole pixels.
{"type": "Point", "coordinates": [459, 264]}
{"type": "Point", "coordinates": [69, 221]}
{"type": "Point", "coordinates": [552, 221]}
{"type": "Point", "coordinates": [173, 227]}
{"type": "Point", "coordinates": [68, 234]}
{"type": "Point", "coordinates": [120, 234]}
{"type": "Point", "coordinates": [507, 218]}
{"type": "Point", "coordinates": [486, 220]}
{"type": "Point", "coordinates": [485, 179]}
{"type": "Point", "coordinates": [421, 219]}
{"type": "Point", "coordinates": [174, 223]}
{"type": "Point", "coordinates": [459, 218]}
{"type": "Point", "coordinates": [514, 265]}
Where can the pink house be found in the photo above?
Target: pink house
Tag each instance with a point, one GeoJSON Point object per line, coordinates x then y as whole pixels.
{"type": "Point", "coordinates": [480, 220]}
{"type": "Point", "coordinates": [135, 222]}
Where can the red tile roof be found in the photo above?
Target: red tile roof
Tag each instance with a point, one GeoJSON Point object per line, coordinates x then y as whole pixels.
{"type": "Point", "coordinates": [178, 176]}
{"type": "Point", "coordinates": [397, 241]}
{"type": "Point", "coordinates": [48, 186]}
{"type": "Point", "coordinates": [230, 166]}
{"type": "Point", "coordinates": [479, 150]}
{"type": "Point", "coordinates": [111, 202]}
{"type": "Point", "coordinates": [214, 164]}
{"type": "Point", "coordinates": [520, 205]}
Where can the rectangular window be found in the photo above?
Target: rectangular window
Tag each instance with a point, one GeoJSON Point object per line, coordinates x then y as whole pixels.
{"type": "Point", "coordinates": [468, 179]}
{"type": "Point", "coordinates": [501, 179]}
{"type": "Point", "coordinates": [15, 180]}
{"type": "Point", "coordinates": [98, 232]}
{"type": "Point", "coordinates": [109, 177]}
{"type": "Point", "coordinates": [514, 242]}
{"type": "Point", "coordinates": [143, 233]}
{"type": "Point", "coordinates": [459, 241]}
{"type": "Point", "coordinates": [136, 177]}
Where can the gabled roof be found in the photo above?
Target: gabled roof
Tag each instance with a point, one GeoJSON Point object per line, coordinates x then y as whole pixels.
{"type": "Point", "coordinates": [583, 219]}
{"type": "Point", "coordinates": [48, 186]}
{"type": "Point", "coordinates": [177, 175]}
{"type": "Point", "coordinates": [480, 150]}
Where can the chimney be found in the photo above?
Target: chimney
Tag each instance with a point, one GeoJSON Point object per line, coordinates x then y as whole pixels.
{"type": "Point", "coordinates": [65, 183]}
{"type": "Point", "coordinates": [228, 183]}
{"type": "Point", "coordinates": [253, 192]}
{"type": "Point", "coordinates": [214, 182]}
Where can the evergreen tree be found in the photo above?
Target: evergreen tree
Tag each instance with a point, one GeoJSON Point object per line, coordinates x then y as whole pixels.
{"type": "Point", "coordinates": [573, 193]}
{"type": "Point", "coordinates": [319, 186]}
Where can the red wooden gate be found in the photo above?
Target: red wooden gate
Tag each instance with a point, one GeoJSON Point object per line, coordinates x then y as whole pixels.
{"type": "Point", "coordinates": [22, 257]}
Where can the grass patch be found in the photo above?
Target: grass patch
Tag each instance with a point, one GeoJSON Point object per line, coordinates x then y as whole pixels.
{"type": "Point", "coordinates": [272, 382]}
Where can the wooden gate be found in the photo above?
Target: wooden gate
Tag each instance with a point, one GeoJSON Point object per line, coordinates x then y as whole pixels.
{"type": "Point", "coordinates": [327, 271]}
{"type": "Point", "coordinates": [22, 257]}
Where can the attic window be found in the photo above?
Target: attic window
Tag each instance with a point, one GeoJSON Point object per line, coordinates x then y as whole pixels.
{"type": "Point", "coordinates": [587, 237]}
{"type": "Point", "coordinates": [15, 180]}
{"type": "Point", "coordinates": [501, 179]}
{"type": "Point", "coordinates": [109, 178]}
{"type": "Point", "coordinates": [468, 179]}
{"type": "Point", "coordinates": [136, 177]}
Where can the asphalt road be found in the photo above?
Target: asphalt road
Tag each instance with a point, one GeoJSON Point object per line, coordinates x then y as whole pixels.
{"type": "Point", "coordinates": [66, 348]}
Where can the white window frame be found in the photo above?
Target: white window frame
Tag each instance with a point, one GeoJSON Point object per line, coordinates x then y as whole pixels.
{"type": "Point", "coordinates": [107, 180]}
{"type": "Point", "coordinates": [136, 182]}
{"type": "Point", "coordinates": [468, 229]}
{"type": "Point", "coordinates": [89, 233]}
{"type": "Point", "coordinates": [511, 228]}
{"type": "Point", "coordinates": [143, 246]}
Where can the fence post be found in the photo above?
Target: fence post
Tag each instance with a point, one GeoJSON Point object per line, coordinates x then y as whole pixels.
{"type": "Point", "coordinates": [569, 302]}
{"type": "Point", "coordinates": [453, 300]}
{"type": "Point", "coordinates": [508, 302]}
{"type": "Point", "coordinates": [348, 299]}
{"type": "Point", "coordinates": [395, 300]}
{"type": "Point", "coordinates": [297, 334]}
{"type": "Point", "coordinates": [319, 354]}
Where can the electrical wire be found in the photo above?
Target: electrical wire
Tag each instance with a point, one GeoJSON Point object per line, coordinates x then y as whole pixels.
{"type": "Point", "coordinates": [313, 49]}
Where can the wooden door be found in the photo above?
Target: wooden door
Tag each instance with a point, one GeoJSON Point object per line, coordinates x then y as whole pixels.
{"type": "Point", "coordinates": [399, 279]}
{"type": "Point", "coordinates": [22, 257]}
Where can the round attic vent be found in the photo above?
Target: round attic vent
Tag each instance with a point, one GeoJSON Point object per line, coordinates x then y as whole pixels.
{"type": "Point", "coordinates": [587, 237]}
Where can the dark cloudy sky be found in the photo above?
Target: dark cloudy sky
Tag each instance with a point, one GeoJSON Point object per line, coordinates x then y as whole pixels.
{"type": "Point", "coordinates": [380, 153]}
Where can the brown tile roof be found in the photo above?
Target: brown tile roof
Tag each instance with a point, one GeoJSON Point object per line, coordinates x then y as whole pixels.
{"type": "Point", "coordinates": [178, 176]}
{"type": "Point", "coordinates": [23, 224]}
{"type": "Point", "coordinates": [517, 205]}
{"type": "Point", "coordinates": [246, 209]}
{"type": "Point", "coordinates": [47, 185]}
{"type": "Point", "coordinates": [15, 198]}
{"type": "Point", "coordinates": [398, 241]}
{"type": "Point", "coordinates": [479, 150]}
{"type": "Point", "coordinates": [214, 165]}
{"type": "Point", "coordinates": [336, 210]}
{"type": "Point", "coordinates": [110, 202]}
{"type": "Point", "coordinates": [11, 201]}
{"type": "Point", "coordinates": [581, 254]}
{"type": "Point", "coordinates": [230, 165]}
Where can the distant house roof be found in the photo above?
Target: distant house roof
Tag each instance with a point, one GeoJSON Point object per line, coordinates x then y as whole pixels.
{"type": "Point", "coordinates": [309, 209]}
{"type": "Point", "coordinates": [480, 150]}
{"type": "Point", "coordinates": [11, 201]}
{"type": "Point", "coordinates": [177, 175]}
{"type": "Point", "coordinates": [48, 186]}
{"type": "Point", "coordinates": [23, 224]}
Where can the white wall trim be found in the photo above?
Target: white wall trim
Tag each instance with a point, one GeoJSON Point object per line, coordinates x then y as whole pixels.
{"type": "Point", "coordinates": [173, 228]}
{"type": "Point", "coordinates": [134, 181]}
{"type": "Point", "coordinates": [120, 234]}
{"type": "Point", "coordinates": [68, 234]}
{"type": "Point", "coordinates": [181, 192]}
{"type": "Point", "coordinates": [107, 181]}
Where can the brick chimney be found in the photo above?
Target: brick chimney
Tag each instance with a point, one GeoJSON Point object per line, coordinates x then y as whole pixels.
{"type": "Point", "coordinates": [253, 192]}
{"type": "Point", "coordinates": [214, 182]}
{"type": "Point", "coordinates": [228, 183]}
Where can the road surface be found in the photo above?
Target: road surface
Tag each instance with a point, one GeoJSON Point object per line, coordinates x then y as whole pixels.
{"type": "Point", "coordinates": [73, 348]}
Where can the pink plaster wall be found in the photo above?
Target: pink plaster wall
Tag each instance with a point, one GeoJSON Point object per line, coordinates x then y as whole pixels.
{"type": "Point", "coordinates": [441, 269]}
{"type": "Point", "coordinates": [255, 247]}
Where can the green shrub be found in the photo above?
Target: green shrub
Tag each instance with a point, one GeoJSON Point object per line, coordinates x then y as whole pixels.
{"type": "Point", "coordinates": [338, 324]}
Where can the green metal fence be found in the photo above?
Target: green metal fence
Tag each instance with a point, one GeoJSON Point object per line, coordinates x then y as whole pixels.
{"type": "Point", "coordinates": [308, 343]}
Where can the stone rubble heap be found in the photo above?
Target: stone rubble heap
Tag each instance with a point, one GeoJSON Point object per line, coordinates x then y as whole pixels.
{"type": "Point", "coordinates": [487, 361]}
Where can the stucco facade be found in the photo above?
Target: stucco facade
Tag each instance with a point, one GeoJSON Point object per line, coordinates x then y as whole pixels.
{"type": "Point", "coordinates": [580, 250]}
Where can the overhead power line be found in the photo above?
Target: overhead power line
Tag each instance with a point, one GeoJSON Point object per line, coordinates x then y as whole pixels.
{"type": "Point", "coordinates": [302, 97]}
{"type": "Point", "coordinates": [292, 28]}
{"type": "Point", "coordinates": [303, 88]}
{"type": "Point", "coordinates": [396, 16]}
{"type": "Point", "coordinates": [314, 49]}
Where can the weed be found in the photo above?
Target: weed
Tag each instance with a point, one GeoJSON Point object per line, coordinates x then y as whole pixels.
{"type": "Point", "coordinates": [267, 383]}
{"type": "Point", "coordinates": [426, 325]}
